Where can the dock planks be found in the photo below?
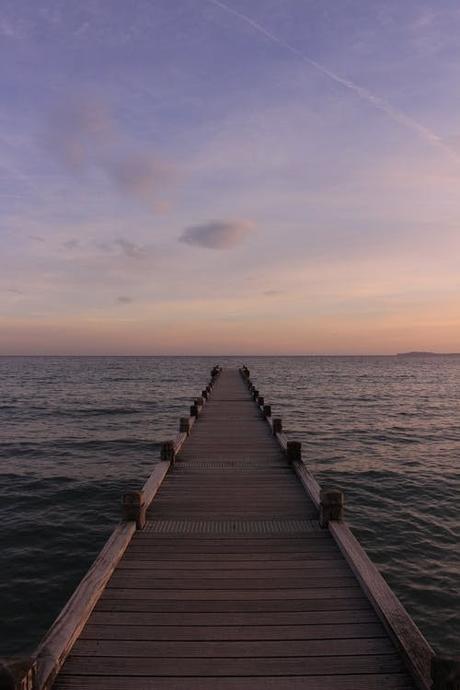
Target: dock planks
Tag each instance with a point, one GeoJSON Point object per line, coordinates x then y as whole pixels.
{"type": "Point", "coordinates": [232, 585]}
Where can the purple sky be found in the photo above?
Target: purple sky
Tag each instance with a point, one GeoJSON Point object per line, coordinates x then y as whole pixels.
{"type": "Point", "coordinates": [193, 176]}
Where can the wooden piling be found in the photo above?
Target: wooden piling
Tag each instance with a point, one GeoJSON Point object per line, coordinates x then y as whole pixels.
{"type": "Point", "coordinates": [184, 425]}
{"type": "Point", "coordinates": [330, 506]}
{"type": "Point", "coordinates": [294, 451]}
{"type": "Point", "coordinates": [167, 452]}
{"type": "Point", "coordinates": [277, 426]}
{"type": "Point", "coordinates": [134, 508]}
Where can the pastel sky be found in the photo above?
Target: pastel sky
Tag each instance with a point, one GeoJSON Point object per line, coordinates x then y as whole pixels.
{"type": "Point", "coordinates": [254, 176]}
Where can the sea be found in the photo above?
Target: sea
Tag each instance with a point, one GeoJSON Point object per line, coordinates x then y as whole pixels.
{"type": "Point", "coordinates": [77, 432]}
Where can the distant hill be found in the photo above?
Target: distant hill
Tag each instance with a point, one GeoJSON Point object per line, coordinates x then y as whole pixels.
{"type": "Point", "coordinates": [416, 353]}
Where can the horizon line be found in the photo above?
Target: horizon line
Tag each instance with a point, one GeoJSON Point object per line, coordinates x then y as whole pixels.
{"type": "Point", "coordinates": [242, 356]}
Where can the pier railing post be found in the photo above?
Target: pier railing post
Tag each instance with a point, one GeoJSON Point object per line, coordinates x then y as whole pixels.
{"type": "Point", "coordinates": [445, 673]}
{"type": "Point", "coordinates": [245, 372]}
{"type": "Point", "coordinates": [331, 502]}
{"type": "Point", "coordinates": [267, 411]}
{"type": "Point", "coordinates": [294, 451]}
{"type": "Point", "coordinates": [184, 425]}
{"type": "Point", "coordinates": [215, 371]}
{"type": "Point", "coordinates": [277, 426]}
{"type": "Point", "coordinates": [18, 674]}
{"type": "Point", "coordinates": [134, 508]}
{"type": "Point", "coordinates": [168, 453]}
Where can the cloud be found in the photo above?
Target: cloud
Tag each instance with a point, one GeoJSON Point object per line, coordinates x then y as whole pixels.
{"type": "Point", "coordinates": [85, 138]}
{"type": "Point", "coordinates": [139, 175]}
{"type": "Point", "coordinates": [71, 244]}
{"type": "Point", "coordinates": [132, 250]}
{"type": "Point", "coordinates": [124, 299]}
{"type": "Point", "coordinates": [217, 234]}
{"type": "Point", "coordinates": [273, 293]}
{"type": "Point", "coordinates": [14, 291]}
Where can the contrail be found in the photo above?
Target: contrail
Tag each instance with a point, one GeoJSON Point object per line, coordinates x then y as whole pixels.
{"type": "Point", "coordinates": [376, 101]}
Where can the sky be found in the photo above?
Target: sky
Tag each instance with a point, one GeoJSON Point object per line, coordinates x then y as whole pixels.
{"type": "Point", "coordinates": [238, 177]}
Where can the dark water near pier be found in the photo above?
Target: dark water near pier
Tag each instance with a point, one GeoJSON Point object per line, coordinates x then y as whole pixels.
{"type": "Point", "coordinates": [77, 432]}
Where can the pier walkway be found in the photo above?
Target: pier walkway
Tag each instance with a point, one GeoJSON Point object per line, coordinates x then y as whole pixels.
{"type": "Point", "coordinates": [230, 582]}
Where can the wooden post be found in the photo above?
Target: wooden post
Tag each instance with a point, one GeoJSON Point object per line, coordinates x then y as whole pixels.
{"type": "Point", "coordinates": [18, 674]}
{"type": "Point", "coordinates": [184, 425]}
{"type": "Point", "coordinates": [208, 389]}
{"type": "Point", "coordinates": [294, 451]}
{"type": "Point", "coordinates": [204, 394]}
{"type": "Point", "coordinates": [134, 508]}
{"type": "Point", "coordinates": [199, 402]}
{"type": "Point", "coordinates": [445, 673]}
{"type": "Point", "coordinates": [331, 503]}
{"type": "Point", "coordinates": [168, 454]}
{"type": "Point", "coordinates": [194, 412]}
{"type": "Point", "coordinates": [277, 426]}
{"type": "Point", "coordinates": [255, 393]}
{"type": "Point", "coordinates": [267, 411]}
{"type": "Point", "coordinates": [260, 401]}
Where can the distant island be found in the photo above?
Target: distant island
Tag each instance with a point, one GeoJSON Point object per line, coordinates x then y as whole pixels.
{"type": "Point", "coordinates": [427, 354]}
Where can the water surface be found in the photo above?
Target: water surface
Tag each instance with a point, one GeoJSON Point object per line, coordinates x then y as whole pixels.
{"type": "Point", "coordinates": [75, 433]}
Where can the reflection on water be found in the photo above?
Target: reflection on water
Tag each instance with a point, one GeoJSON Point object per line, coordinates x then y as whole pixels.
{"type": "Point", "coordinates": [77, 432]}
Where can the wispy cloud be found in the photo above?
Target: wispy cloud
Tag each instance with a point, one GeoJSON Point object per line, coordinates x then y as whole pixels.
{"type": "Point", "coordinates": [124, 299]}
{"type": "Point", "coordinates": [131, 249]}
{"type": "Point", "coordinates": [85, 138]}
{"type": "Point", "coordinates": [71, 244]}
{"type": "Point", "coordinates": [217, 234]}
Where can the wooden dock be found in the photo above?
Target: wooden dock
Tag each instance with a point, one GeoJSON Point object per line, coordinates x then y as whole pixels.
{"type": "Point", "coordinates": [241, 575]}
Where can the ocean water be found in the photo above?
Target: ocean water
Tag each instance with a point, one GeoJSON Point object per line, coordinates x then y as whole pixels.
{"type": "Point", "coordinates": [76, 432]}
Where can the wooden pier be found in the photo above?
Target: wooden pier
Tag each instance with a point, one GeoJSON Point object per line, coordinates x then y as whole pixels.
{"type": "Point", "coordinates": [231, 570]}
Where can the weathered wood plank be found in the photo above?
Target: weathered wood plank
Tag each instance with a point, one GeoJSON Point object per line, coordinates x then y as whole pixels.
{"type": "Point", "coordinates": [276, 666]}
{"type": "Point", "coordinates": [114, 602]}
{"type": "Point", "coordinates": [235, 568]}
{"type": "Point", "coordinates": [242, 648]}
{"type": "Point", "coordinates": [241, 594]}
{"type": "Point", "coordinates": [122, 619]}
{"type": "Point", "coordinates": [153, 483]}
{"type": "Point", "coordinates": [203, 632]}
{"type": "Point", "coordinates": [221, 581]}
{"type": "Point", "coordinates": [308, 481]}
{"type": "Point", "coordinates": [394, 681]}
